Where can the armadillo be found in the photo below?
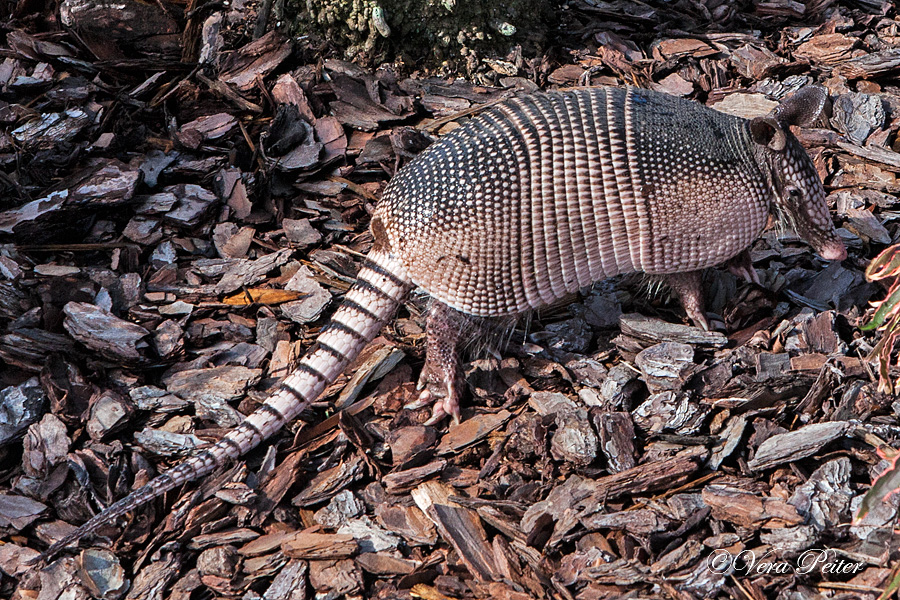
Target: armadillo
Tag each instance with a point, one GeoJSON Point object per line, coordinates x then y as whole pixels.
{"type": "Point", "coordinates": [537, 197]}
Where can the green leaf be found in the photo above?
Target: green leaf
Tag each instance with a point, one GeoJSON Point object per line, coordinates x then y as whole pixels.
{"type": "Point", "coordinates": [888, 308]}
{"type": "Point", "coordinates": [893, 583]}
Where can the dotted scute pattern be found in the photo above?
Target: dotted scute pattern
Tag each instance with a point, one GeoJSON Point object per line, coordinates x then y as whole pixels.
{"type": "Point", "coordinates": [452, 217]}
{"type": "Point", "coordinates": [706, 195]}
{"type": "Point", "coordinates": [544, 194]}
{"type": "Point", "coordinates": [805, 209]}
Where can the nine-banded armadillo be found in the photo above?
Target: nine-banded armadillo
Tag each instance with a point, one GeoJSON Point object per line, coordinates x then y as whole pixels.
{"type": "Point", "coordinates": [537, 197]}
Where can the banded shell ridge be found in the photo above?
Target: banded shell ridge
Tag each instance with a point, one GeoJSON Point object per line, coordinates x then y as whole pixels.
{"type": "Point", "coordinates": [545, 194]}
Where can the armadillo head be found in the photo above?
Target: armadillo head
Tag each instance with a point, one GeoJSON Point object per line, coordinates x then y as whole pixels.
{"type": "Point", "coordinates": [799, 195]}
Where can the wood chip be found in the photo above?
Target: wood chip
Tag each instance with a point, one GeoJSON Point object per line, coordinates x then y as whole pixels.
{"type": "Point", "coordinates": [653, 331]}
{"type": "Point", "coordinates": [795, 445]}
{"type": "Point", "coordinates": [18, 511]}
{"type": "Point", "coordinates": [746, 509]}
{"type": "Point", "coordinates": [103, 332]}
{"type": "Point", "coordinates": [471, 431]}
{"type": "Point", "coordinates": [318, 546]}
{"type": "Point", "coordinates": [459, 527]}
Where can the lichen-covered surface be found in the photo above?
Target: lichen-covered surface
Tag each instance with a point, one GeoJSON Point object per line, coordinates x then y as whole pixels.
{"type": "Point", "coordinates": [453, 34]}
{"type": "Point", "coordinates": [173, 236]}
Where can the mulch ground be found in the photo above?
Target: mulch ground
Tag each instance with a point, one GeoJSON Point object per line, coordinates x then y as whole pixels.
{"type": "Point", "coordinates": [173, 236]}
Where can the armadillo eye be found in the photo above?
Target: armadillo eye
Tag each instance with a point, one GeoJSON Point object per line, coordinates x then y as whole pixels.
{"type": "Point", "coordinates": [794, 194]}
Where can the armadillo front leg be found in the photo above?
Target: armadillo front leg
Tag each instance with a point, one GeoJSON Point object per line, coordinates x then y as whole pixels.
{"type": "Point", "coordinates": [689, 287]}
{"type": "Point", "coordinates": [441, 380]}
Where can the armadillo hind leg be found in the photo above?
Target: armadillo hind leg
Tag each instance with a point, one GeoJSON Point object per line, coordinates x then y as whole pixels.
{"type": "Point", "coordinates": [689, 287]}
{"type": "Point", "coordinates": [441, 382]}
{"type": "Point", "coordinates": [741, 266]}
{"type": "Point", "coordinates": [449, 333]}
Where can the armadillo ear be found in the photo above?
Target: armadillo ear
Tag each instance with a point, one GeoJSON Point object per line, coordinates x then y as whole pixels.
{"type": "Point", "coordinates": [766, 131]}
{"type": "Point", "coordinates": [801, 108]}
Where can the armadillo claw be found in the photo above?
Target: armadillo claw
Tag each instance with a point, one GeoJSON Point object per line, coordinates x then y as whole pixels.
{"type": "Point", "coordinates": [746, 273]}
{"type": "Point", "coordinates": [446, 406]}
{"type": "Point", "coordinates": [442, 395]}
{"type": "Point", "coordinates": [425, 398]}
{"type": "Point", "coordinates": [437, 414]}
{"type": "Point", "coordinates": [742, 266]}
{"type": "Point", "coordinates": [698, 319]}
{"type": "Point", "coordinates": [441, 411]}
{"type": "Point", "coordinates": [688, 286]}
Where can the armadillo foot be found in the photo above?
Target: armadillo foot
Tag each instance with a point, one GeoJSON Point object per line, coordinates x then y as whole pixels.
{"type": "Point", "coordinates": [689, 287]}
{"type": "Point", "coordinates": [741, 266]}
{"type": "Point", "coordinates": [440, 381]}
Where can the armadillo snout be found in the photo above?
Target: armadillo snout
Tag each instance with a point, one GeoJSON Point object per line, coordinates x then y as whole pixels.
{"type": "Point", "coordinates": [831, 250]}
{"type": "Point", "coordinates": [803, 202]}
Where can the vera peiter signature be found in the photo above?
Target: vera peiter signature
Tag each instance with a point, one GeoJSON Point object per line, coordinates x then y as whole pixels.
{"type": "Point", "coordinates": [824, 561]}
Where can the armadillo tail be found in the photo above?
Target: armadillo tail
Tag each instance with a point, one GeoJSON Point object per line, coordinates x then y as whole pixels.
{"type": "Point", "coordinates": [380, 288]}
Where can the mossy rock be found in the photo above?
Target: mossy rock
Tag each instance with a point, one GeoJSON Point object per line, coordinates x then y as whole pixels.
{"type": "Point", "coordinates": [454, 33]}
